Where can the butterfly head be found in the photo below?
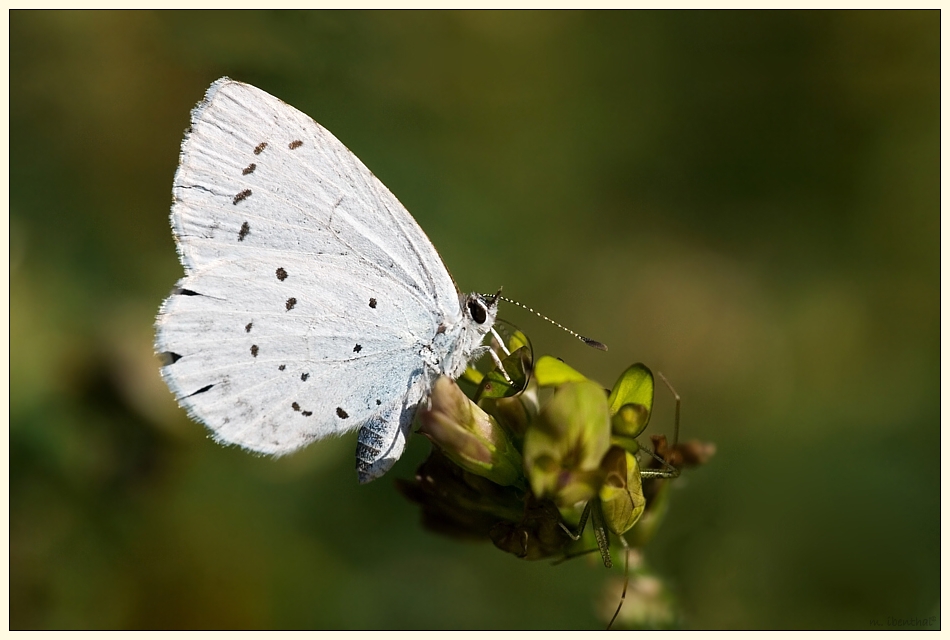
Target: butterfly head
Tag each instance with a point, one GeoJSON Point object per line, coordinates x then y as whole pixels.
{"type": "Point", "coordinates": [461, 341]}
{"type": "Point", "coordinates": [481, 310]}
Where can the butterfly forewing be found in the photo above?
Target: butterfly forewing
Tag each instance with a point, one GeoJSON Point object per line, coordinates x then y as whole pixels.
{"type": "Point", "coordinates": [255, 172]}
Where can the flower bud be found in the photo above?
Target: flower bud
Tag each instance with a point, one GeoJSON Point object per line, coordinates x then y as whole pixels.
{"type": "Point", "coordinates": [468, 436]}
{"type": "Point", "coordinates": [563, 447]}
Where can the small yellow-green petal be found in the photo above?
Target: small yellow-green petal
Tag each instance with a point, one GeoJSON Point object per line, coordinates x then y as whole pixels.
{"type": "Point", "coordinates": [626, 443]}
{"type": "Point", "coordinates": [551, 372]}
{"type": "Point", "coordinates": [630, 420]}
{"type": "Point", "coordinates": [621, 495]}
{"type": "Point", "coordinates": [634, 387]}
{"type": "Point", "coordinates": [517, 340]}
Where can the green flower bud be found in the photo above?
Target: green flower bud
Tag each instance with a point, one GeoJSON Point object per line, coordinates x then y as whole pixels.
{"type": "Point", "coordinates": [621, 496]}
{"type": "Point", "coordinates": [468, 436]}
{"type": "Point", "coordinates": [563, 447]}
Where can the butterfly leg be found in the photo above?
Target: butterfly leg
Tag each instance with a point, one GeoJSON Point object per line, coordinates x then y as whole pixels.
{"type": "Point", "coordinates": [500, 341]}
{"type": "Point", "coordinates": [500, 366]}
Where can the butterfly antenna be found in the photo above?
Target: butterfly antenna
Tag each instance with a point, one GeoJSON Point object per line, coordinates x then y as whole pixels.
{"type": "Point", "coordinates": [588, 341]}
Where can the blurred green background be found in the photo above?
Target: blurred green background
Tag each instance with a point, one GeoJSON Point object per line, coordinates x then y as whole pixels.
{"type": "Point", "coordinates": [745, 201]}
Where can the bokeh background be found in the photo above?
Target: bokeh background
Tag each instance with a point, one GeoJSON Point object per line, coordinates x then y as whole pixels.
{"type": "Point", "coordinates": [745, 201]}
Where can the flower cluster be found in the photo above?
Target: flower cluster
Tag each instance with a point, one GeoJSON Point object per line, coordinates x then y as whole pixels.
{"type": "Point", "coordinates": [535, 447]}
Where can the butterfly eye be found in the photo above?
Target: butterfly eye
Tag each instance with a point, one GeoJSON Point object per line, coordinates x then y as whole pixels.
{"type": "Point", "coordinates": [476, 309]}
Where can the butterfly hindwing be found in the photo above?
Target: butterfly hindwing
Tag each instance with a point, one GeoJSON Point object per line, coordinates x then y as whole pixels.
{"type": "Point", "coordinates": [292, 365]}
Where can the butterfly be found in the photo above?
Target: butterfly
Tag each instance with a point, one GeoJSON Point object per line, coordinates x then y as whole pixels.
{"type": "Point", "coordinates": [312, 303]}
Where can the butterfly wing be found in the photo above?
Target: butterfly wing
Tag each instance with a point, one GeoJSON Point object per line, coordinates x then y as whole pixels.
{"type": "Point", "coordinates": [258, 175]}
{"type": "Point", "coordinates": [309, 289]}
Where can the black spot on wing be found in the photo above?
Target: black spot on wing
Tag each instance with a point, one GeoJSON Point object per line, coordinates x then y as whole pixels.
{"type": "Point", "coordinates": [245, 229]}
{"type": "Point", "coordinates": [168, 357]}
{"type": "Point", "coordinates": [244, 195]}
{"type": "Point", "coordinates": [378, 402]}
{"type": "Point", "coordinates": [247, 327]}
{"type": "Point", "coordinates": [260, 148]}
{"type": "Point", "coordinates": [306, 414]}
{"type": "Point", "coordinates": [291, 303]}
{"type": "Point", "coordinates": [185, 292]}
{"type": "Point", "coordinates": [343, 414]}
{"type": "Point", "coordinates": [296, 144]}
{"type": "Point", "coordinates": [372, 303]}
{"type": "Point", "coordinates": [295, 406]}
{"type": "Point", "coordinates": [201, 390]}
{"type": "Point", "coordinates": [357, 348]}
{"type": "Point", "coordinates": [249, 169]}
{"type": "Point", "coordinates": [281, 274]}
{"type": "Point", "coordinates": [304, 376]}
{"type": "Point", "coordinates": [254, 350]}
{"type": "Point", "coordinates": [282, 367]}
